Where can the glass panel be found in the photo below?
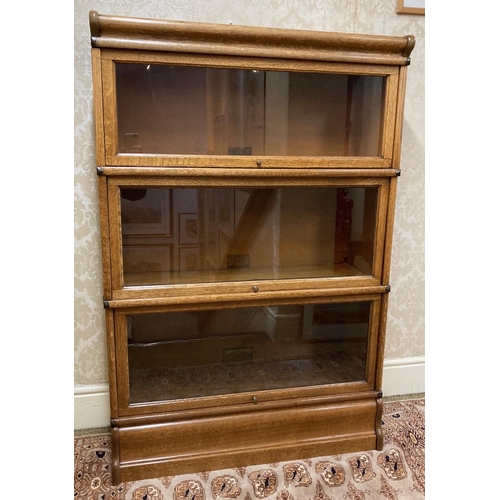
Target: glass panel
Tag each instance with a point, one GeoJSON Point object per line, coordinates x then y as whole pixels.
{"type": "Point", "coordinates": [204, 353]}
{"type": "Point", "coordinates": [213, 111]}
{"type": "Point", "coordinates": [206, 235]}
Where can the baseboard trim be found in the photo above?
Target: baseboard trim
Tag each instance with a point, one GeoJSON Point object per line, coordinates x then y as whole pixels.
{"type": "Point", "coordinates": [91, 406]}
{"type": "Point", "coordinates": [401, 376]}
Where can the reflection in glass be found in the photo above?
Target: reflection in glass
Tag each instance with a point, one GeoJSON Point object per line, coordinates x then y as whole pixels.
{"type": "Point", "coordinates": [206, 235]}
{"type": "Point", "coordinates": [203, 353]}
{"type": "Point", "coordinates": [165, 109]}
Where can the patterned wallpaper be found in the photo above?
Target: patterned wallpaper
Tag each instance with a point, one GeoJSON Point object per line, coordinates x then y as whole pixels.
{"type": "Point", "coordinates": [405, 334]}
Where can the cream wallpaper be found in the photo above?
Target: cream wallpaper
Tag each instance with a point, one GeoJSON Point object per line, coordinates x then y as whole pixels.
{"type": "Point", "coordinates": [405, 334]}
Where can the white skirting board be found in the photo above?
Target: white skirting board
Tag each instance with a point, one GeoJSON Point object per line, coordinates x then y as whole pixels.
{"type": "Point", "coordinates": [91, 406]}
{"type": "Point", "coordinates": [401, 376]}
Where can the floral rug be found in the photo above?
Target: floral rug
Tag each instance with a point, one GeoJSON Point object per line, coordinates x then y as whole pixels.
{"type": "Point", "coordinates": [396, 473]}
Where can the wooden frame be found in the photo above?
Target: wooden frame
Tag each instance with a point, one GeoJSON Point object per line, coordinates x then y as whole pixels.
{"type": "Point", "coordinates": [120, 292]}
{"type": "Point", "coordinates": [154, 438]}
{"type": "Point", "coordinates": [142, 445]}
{"type": "Point", "coordinates": [113, 157]}
{"type": "Point", "coordinates": [416, 7]}
{"type": "Point", "coordinates": [144, 408]}
{"type": "Point", "coordinates": [242, 41]}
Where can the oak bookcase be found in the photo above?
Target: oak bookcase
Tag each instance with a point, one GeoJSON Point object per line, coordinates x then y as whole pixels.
{"type": "Point", "coordinates": [247, 187]}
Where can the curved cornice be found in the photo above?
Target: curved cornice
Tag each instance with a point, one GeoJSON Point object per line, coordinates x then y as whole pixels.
{"type": "Point", "coordinates": [228, 40]}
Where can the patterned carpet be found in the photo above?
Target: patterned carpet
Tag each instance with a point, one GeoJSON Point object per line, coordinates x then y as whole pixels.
{"type": "Point", "coordinates": [396, 473]}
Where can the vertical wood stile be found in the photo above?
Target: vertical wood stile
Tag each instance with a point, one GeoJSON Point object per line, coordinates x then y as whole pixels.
{"type": "Point", "coordinates": [398, 133]}
{"type": "Point", "coordinates": [115, 446]}
{"type": "Point", "coordinates": [110, 111]}
{"type": "Point", "coordinates": [104, 222]}
{"type": "Point", "coordinates": [122, 370]}
{"type": "Point", "coordinates": [113, 389]}
{"type": "Point", "coordinates": [389, 232]}
{"type": "Point", "coordinates": [390, 113]}
{"type": "Point", "coordinates": [381, 341]}
{"type": "Point", "coordinates": [378, 420]}
{"type": "Point", "coordinates": [378, 243]}
{"type": "Point", "coordinates": [115, 235]}
{"type": "Point", "coordinates": [373, 352]}
{"type": "Point", "coordinates": [100, 152]}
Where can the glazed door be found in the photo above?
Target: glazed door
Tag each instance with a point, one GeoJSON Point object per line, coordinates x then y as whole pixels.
{"type": "Point", "coordinates": [198, 115]}
{"type": "Point", "coordinates": [221, 239]}
{"type": "Point", "coordinates": [246, 354]}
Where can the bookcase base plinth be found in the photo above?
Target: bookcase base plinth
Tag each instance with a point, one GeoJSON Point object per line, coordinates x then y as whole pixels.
{"type": "Point", "coordinates": [263, 436]}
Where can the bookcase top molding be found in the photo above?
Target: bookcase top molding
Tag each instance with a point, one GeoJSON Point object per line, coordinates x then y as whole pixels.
{"type": "Point", "coordinates": [117, 32]}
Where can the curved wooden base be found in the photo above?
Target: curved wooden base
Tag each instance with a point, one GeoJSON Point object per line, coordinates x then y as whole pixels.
{"type": "Point", "coordinates": [378, 420]}
{"type": "Point", "coordinates": [264, 436]}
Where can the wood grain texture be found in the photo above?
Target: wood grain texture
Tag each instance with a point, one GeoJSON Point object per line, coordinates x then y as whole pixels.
{"type": "Point", "coordinates": [246, 62]}
{"type": "Point", "coordinates": [100, 152]}
{"type": "Point", "coordinates": [111, 57]}
{"type": "Point", "coordinates": [391, 213]}
{"type": "Point", "coordinates": [133, 471]}
{"type": "Point", "coordinates": [398, 132]}
{"type": "Point", "coordinates": [153, 439]}
{"type": "Point", "coordinates": [238, 175]}
{"type": "Point", "coordinates": [228, 161]}
{"type": "Point", "coordinates": [227, 403]}
{"type": "Point", "coordinates": [378, 426]}
{"type": "Point", "coordinates": [373, 353]}
{"type": "Point", "coordinates": [242, 287]}
{"type": "Point", "coordinates": [280, 425]}
{"type": "Point", "coordinates": [251, 298]}
{"type": "Point", "coordinates": [115, 464]}
{"type": "Point", "coordinates": [252, 181]}
{"type": "Point", "coordinates": [178, 36]}
{"type": "Point", "coordinates": [380, 227]}
{"type": "Point", "coordinates": [239, 440]}
{"type": "Point", "coordinates": [94, 23]}
{"type": "Point", "coordinates": [121, 349]}
{"type": "Point", "coordinates": [265, 403]}
{"type": "Point", "coordinates": [384, 305]}
{"type": "Point", "coordinates": [109, 107]}
{"type": "Point", "coordinates": [201, 306]}
{"type": "Point", "coordinates": [168, 287]}
{"type": "Point", "coordinates": [111, 350]}
{"type": "Point", "coordinates": [391, 101]}
{"type": "Point", "coordinates": [115, 236]}
{"type": "Point", "coordinates": [105, 239]}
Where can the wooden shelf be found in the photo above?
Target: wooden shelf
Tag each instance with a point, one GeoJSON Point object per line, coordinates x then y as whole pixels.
{"type": "Point", "coordinates": [248, 274]}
